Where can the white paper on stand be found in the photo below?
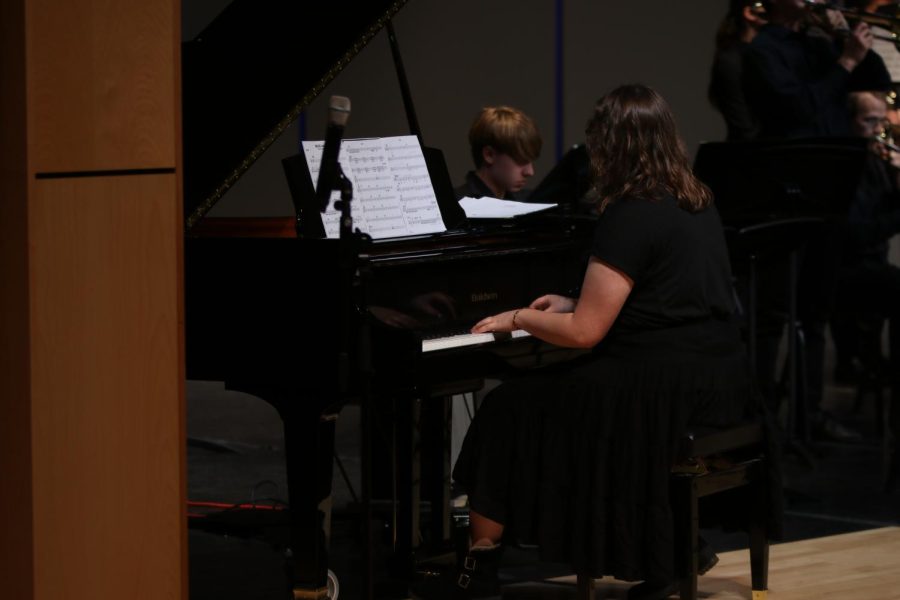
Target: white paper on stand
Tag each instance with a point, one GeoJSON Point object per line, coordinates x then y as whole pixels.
{"type": "Point", "coordinates": [392, 191]}
{"type": "Point", "coordinates": [495, 208]}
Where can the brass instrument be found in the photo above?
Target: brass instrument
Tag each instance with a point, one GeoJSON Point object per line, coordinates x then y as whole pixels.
{"type": "Point", "coordinates": [887, 150]}
{"type": "Point", "coordinates": [892, 124]}
{"type": "Point", "coordinates": [887, 22]}
{"type": "Point", "coordinates": [886, 147]}
{"type": "Point", "coordinates": [758, 9]}
{"type": "Point", "coordinates": [884, 140]}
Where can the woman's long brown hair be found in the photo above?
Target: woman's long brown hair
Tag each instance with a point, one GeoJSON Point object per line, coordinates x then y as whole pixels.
{"type": "Point", "coordinates": [635, 151]}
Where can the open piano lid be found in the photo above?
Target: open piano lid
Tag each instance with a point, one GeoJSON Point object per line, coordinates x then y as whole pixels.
{"type": "Point", "coordinates": [248, 75]}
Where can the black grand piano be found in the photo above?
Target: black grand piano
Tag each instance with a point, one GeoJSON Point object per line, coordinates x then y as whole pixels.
{"type": "Point", "coordinates": [311, 324]}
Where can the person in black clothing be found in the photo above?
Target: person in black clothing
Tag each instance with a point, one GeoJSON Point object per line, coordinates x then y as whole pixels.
{"type": "Point", "coordinates": [868, 285]}
{"type": "Point", "coordinates": [577, 459]}
{"type": "Point", "coordinates": [883, 45]}
{"type": "Point", "coordinates": [726, 87]}
{"type": "Point", "coordinates": [797, 79]}
{"type": "Point", "coordinates": [504, 142]}
{"type": "Point", "coordinates": [874, 217]}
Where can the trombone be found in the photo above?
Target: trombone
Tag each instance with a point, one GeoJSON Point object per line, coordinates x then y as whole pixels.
{"type": "Point", "coordinates": [887, 22]}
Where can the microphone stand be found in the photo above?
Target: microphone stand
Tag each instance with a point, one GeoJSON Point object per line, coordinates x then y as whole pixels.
{"type": "Point", "coordinates": [353, 304]}
{"type": "Point", "coordinates": [347, 255]}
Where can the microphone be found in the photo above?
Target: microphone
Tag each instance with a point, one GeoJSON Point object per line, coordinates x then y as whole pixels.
{"type": "Point", "coordinates": [338, 112]}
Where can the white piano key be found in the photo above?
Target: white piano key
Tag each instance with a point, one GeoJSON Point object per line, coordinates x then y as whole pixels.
{"type": "Point", "coordinates": [470, 339]}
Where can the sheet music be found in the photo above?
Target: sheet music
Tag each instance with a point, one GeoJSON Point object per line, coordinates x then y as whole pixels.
{"type": "Point", "coordinates": [495, 208]}
{"type": "Point", "coordinates": [888, 52]}
{"type": "Point", "coordinates": [392, 192]}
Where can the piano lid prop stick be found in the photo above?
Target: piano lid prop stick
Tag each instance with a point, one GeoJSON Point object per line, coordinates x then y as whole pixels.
{"type": "Point", "coordinates": [338, 113]}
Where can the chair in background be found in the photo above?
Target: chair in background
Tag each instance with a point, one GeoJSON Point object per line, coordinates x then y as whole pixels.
{"type": "Point", "coordinates": [777, 240]}
{"type": "Point", "coordinates": [764, 189]}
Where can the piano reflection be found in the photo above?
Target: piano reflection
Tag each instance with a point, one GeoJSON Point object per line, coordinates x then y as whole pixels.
{"type": "Point", "coordinates": [263, 305]}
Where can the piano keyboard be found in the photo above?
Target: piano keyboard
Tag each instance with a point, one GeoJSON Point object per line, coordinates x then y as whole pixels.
{"type": "Point", "coordinates": [469, 339]}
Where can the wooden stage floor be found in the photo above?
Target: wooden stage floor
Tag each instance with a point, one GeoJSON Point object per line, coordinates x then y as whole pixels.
{"type": "Point", "coordinates": [863, 565]}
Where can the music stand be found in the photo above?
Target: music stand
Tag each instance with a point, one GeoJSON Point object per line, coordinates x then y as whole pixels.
{"type": "Point", "coordinates": [568, 181]}
{"type": "Point", "coordinates": [758, 181]}
{"type": "Point", "coordinates": [772, 197]}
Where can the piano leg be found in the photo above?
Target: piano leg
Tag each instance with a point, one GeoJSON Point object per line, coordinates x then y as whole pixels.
{"type": "Point", "coordinates": [309, 454]}
{"type": "Point", "coordinates": [435, 433]}
{"type": "Point", "coordinates": [417, 430]}
{"type": "Point", "coordinates": [435, 424]}
{"type": "Point", "coordinates": [422, 471]}
{"type": "Point", "coordinates": [407, 492]}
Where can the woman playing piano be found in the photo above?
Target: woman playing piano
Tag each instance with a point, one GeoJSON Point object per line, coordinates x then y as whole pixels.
{"type": "Point", "coordinates": [578, 460]}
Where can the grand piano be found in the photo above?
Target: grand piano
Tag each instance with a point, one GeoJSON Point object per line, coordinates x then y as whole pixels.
{"type": "Point", "coordinates": [310, 324]}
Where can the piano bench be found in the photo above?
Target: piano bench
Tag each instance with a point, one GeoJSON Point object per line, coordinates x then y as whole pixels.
{"type": "Point", "coordinates": [703, 470]}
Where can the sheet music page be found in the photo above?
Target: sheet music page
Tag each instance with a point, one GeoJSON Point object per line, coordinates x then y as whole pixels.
{"type": "Point", "coordinates": [888, 52]}
{"type": "Point", "coordinates": [392, 192]}
{"type": "Point", "coordinates": [495, 208]}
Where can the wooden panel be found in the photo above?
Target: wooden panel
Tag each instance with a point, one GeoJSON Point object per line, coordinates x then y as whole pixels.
{"type": "Point", "coordinates": [16, 567]}
{"type": "Point", "coordinates": [102, 84]}
{"type": "Point", "coordinates": [107, 388]}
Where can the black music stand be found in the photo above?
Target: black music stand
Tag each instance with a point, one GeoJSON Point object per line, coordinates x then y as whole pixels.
{"type": "Point", "coordinates": [772, 197]}
{"type": "Point", "coordinates": [758, 181]}
{"type": "Point", "coordinates": [568, 182]}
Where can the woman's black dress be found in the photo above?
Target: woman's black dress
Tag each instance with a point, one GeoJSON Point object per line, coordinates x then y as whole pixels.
{"type": "Point", "coordinates": [577, 459]}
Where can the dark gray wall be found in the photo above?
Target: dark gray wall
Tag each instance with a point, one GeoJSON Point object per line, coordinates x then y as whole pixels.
{"type": "Point", "coordinates": [466, 54]}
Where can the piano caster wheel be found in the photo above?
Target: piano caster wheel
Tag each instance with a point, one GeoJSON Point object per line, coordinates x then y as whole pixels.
{"type": "Point", "coordinates": [334, 587]}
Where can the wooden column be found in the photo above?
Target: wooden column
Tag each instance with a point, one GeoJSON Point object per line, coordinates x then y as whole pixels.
{"type": "Point", "coordinates": [92, 459]}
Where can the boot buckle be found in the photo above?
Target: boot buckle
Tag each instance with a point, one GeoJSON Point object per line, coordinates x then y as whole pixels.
{"type": "Point", "coordinates": [469, 563]}
{"type": "Point", "coordinates": [463, 580]}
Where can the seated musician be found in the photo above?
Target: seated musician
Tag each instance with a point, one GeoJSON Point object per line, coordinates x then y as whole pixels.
{"type": "Point", "coordinates": [577, 458]}
{"type": "Point", "coordinates": [797, 77]}
{"type": "Point", "coordinates": [868, 284]}
{"type": "Point", "coordinates": [504, 142]}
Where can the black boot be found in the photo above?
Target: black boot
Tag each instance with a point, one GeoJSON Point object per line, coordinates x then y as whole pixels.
{"type": "Point", "coordinates": [475, 577]}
